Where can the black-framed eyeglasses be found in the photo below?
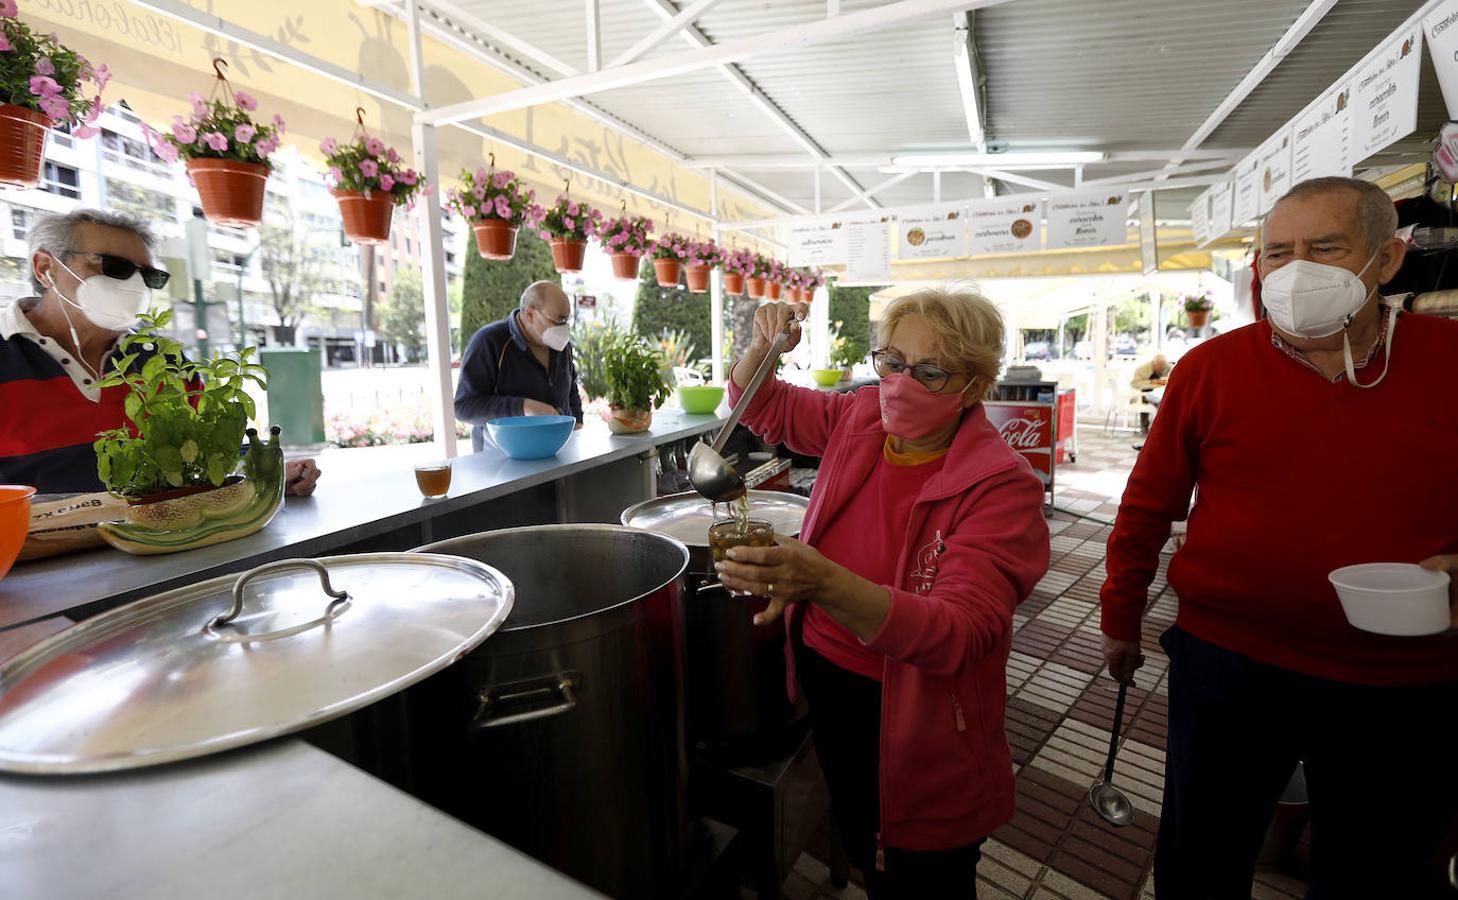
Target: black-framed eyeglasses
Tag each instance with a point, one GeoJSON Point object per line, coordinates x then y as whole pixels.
{"type": "Point", "coordinates": [933, 378]}
{"type": "Point", "coordinates": [121, 268]}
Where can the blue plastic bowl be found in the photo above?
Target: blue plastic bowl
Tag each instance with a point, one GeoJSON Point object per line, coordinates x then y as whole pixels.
{"type": "Point", "coordinates": [530, 437]}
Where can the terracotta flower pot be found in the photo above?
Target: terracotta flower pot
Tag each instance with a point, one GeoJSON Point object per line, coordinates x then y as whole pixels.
{"type": "Point", "coordinates": [698, 277]}
{"type": "Point", "coordinates": [231, 192]}
{"type": "Point", "coordinates": [773, 290]}
{"type": "Point", "coordinates": [755, 286]}
{"type": "Point", "coordinates": [567, 255]}
{"type": "Point", "coordinates": [22, 146]}
{"type": "Point", "coordinates": [366, 218]}
{"type": "Point", "coordinates": [495, 238]}
{"type": "Point", "coordinates": [733, 282]}
{"type": "Point", "coordinates": [629, 421]}
{"type": "Point", "coordinates": [667, 271]}
{"type": "Point", "coordinates": [1198, 319]}
{"type": "Point", "coordinates": [625, 266]}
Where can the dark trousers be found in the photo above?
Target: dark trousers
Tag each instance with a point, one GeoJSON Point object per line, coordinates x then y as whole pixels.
{"type": "Point", "coordinates": [1381, 773]}
{"type": "Point", "coordinates": [845, 713]}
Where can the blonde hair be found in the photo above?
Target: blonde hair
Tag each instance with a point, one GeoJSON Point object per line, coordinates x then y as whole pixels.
{"type": "Point", "coordinates": [968, 328]}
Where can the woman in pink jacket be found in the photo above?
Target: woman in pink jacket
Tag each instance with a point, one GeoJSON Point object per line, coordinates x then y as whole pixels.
{"type": "Point", "coordinates": [923, 533]}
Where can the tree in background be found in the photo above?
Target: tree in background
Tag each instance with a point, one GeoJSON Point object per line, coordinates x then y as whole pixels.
{"type": "Point", "coordinates": [491, 290]}
{"type": "Point", "coordinates": [669, 310]}
{"type": "Point", "coordinates": [293, 269]}
{"type": "Point", "coordinates": [851, 306]}
{"type": "Point", "coordinates": [402, 315]}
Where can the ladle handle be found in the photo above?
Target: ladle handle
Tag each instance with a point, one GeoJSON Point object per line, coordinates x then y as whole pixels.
{"type": "Point", "coordinates": [765, 367]}
{"type": "Point", "coordinates": [1114, 734]}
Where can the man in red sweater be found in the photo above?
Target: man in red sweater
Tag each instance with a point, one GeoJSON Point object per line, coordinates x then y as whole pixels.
{"type": "Point", "coordinates": [1322, 436]}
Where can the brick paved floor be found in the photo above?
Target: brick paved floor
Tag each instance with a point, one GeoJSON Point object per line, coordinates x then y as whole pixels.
{"type": "Point", "coordinates": [1059, 717]}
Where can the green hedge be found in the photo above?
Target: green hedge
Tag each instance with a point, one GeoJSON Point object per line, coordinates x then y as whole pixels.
{"type": "Point", "coordinates": [658, 309]}
{"type": "Point", "coordinates": [491, 290]}
{"type": "Point", "coordinates": [851, 306]}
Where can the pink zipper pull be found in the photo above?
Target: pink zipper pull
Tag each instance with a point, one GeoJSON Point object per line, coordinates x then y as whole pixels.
{"type": "Point", "coordinates": [880, 853]}
{"type": "Point", "coordinates": [957, 708]}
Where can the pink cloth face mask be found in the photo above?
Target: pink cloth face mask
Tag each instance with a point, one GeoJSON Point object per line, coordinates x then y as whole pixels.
{"type": "Point", "coordinates": [909, 410]}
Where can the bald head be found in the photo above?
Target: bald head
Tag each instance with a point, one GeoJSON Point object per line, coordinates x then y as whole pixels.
{"type": "Point", "coordinates": [543, 294]}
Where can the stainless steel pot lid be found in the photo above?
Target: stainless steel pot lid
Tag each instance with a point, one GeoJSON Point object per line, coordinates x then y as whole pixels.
{"type": "Point", "coordinates": [687, 516]}
{"type": "Point", "coordinates": [240, 659]}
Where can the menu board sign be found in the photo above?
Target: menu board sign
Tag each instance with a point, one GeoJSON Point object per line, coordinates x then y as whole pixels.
{"type": "Point", "coordinates": [934, 232]}
{"type": "Point", "coordinates": [1247, 204]}
{"type": "Point", "coordinates": [1273, 178]}
{"type": "Point", "coordinates": [1386, 95]}
{"type": "Point", "coordinates": [1323, 138]}
{"type": "Point", "coordinates": [819, 243]}
{"type": "Point", "coordinates": [868, 250]}
{"type": "Point", "coordinates": [1441, 26]}
{"type": "Point", "coordinates": [1221, 200]}
{"type": "Point", "coordinates": [1200, 218]}
{"type": "Point", "coordinates": [1004, 226]}
{"type": "Point", "coordinates": [1088, 220]}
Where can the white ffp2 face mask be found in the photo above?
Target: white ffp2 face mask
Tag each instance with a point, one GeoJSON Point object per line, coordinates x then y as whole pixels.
{"type": "Point", "coordinates": [1311, 299]}
{"type": "Point", "coordinates": [109, 303]}
{"type": "Point", "coordinates": [557, 337]}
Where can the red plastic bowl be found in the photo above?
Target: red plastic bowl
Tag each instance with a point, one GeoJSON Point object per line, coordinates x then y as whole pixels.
{"type": "Point", "coordinates": [14, 522]}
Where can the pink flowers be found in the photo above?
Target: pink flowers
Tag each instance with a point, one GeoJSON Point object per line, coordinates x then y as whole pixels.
{"type": "Point", "coordinates": [479, 192]}
{"type": "Point", "coordinates": [244, 133]}
{"type": "Point", "coordinates": [369, 168]}
{"type": "Point", "coordinates": [329, 147]}
{"type": "Point", "coordinates": [102, 76]}
{"type": "Point", "coordinates": [265, 147]}
{"type": "Point", "coordinates": [4, 41]}
{"type": "Point", "coordinates": [199, 106]}
{"type": "Point", "coordinates": [166, 152]}
{"type": "Point", "coordinates": [392, 156]}
{"type": "Point", "coordinates": [278, 123]}
{"type": "Point", "coordinates": [503, 207]}
{"type": "Point", "coordinates": [183, 131]}
{"type": "Point", "coordinates": [245, 101]}
{"type": "Point", "coordinates": [56, 107]}
{"type": "Point", "coordinates": [44, 86]}
{"type": "Point", "coordinates": [468, 211]}
{"type": "Point", "coordinates": [218, 142]}
{"type": "Point", "coordinates": [501, 179]}
{"type": "Point", "coordinates": [44, 66]}
{"type": "Point", "coordinates": [408, 177]}
{"type": "Point", "coordinates": [386, 182]}
{"type": "Point", "coordinates": [9, 9]}
{"type": "Point", "coordinates": [336, 174]}
{"type": "Point", "coordinates": [374, 146]}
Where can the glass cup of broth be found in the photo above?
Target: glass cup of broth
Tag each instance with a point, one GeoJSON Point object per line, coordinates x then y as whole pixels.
{"type": "Point", "coordinates": [728, 533]}
{"type": "Point", "coordinates": [433, 479]}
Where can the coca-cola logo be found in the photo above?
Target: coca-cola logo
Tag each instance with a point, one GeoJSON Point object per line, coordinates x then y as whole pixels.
{"type": "Point", "coordinates": [1024, 434]}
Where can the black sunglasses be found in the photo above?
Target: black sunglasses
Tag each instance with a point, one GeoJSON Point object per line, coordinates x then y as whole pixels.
{"type": "Point", "coordinates": [121, 268]}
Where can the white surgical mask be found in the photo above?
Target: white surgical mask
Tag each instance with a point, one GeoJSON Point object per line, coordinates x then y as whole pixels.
{"type": "Point", "coordinates": [1314, 300]}
{"type": "Point", "coordinates": [108, 303]}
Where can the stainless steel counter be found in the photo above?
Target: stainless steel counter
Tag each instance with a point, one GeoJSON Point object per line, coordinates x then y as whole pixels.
{"type": "Point", "coordinates": [281, 820]}
{"type": "Point", "coordinates": [341, 512]}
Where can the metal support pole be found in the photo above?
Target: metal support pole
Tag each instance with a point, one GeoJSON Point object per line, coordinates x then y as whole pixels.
{"type": "Point", "coordinates": [716, 289]}
{"type": "Point", "coordinates": [200, 318]}
{"type": "Point", "coordinates": [936, 185]}
{"type": "Point", "coordinates": [818, 170]}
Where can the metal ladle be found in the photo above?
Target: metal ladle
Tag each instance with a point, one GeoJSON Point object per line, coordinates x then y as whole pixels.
{"type": "Point", "coordinates": [1108, 801]}
{"type": "Point", "coordinates": [710, 475]}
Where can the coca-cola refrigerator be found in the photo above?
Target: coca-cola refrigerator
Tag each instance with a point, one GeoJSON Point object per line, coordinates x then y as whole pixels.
{"type": "Point", "coordinates": [1030, 428]}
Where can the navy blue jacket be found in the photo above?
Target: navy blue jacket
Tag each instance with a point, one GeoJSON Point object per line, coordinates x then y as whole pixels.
{"type": "Point", "coordinates": [499, 373]}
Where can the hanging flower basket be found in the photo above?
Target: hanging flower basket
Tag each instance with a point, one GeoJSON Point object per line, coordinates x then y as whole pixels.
{"type": "Point", "coordinates": [230, 192]}
{"type": "Point", "coordinates": [1198, 319]}
{"type": "Point", "coordinates": [734, 283]}
{"type": "Point", "coordinates": [567, 224]}
{"type": "Point", "coordinates": [755, 287]}
{"type": "Point", "coordinates": [567, 256]}
{"type": "Point", "coordinates": [772, 290]}
{"type": "Point", "coordinates": [43, 80]}
{"type": "Point", "coordinates": [366, 216]}
{"type": "Point", "coordinates": [22, 146]}
{"type": "Point", "coordinates": [625, 266]}
{"type": "Point", "coordinates": [626, 240]}
{"type": "Point", "coordinates": [697, 277]}
{"type": "Point", "coordinates": [667, 272]}
{"type": "Point", "coordinates": [495, 239]}
{"type": "Point", "coordinates": [370, 180]}
{"type": "Point", "coordinates": [226, 152]}
{"type": "Point", "coordinates": [495, 204]}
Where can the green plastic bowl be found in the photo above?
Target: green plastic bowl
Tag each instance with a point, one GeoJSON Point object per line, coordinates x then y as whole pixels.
{"type": "Point", "coordinates": [826, 377]}
{"type": "Point", "coordinates": [700, 399]}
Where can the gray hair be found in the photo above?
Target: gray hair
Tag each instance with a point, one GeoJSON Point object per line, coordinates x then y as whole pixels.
{"type": "Point", "coordinates": [535, 294]}
{"type": "Point", "coordinates": [1376, 213]}
{"type": "Point", "coordinates": [56, 233]}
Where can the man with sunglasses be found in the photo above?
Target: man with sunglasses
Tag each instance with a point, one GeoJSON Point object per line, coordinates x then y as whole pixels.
{"type": "Point", "coordinates": [521, 365]}
{"type": "Point", "coordinates": [93, 275]}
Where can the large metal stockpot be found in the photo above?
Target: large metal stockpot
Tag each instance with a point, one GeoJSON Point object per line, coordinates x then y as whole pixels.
{"type": "Point", "coordinates": [735, 669]}
{"type": "Point", "coordinates": [239, 659]}
{"type": "Point", "coordinates": [563, 735]}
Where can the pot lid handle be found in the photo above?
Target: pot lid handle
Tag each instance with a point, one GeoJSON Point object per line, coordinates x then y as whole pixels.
{"type": "Point", "coordinates": [268, 569]}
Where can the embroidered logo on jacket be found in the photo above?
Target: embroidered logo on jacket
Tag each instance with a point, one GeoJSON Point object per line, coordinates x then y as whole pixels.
{"type": "Point", "coordinates": [927, 559]}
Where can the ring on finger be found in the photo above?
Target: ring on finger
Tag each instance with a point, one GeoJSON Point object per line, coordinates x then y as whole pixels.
{"type": "Point", "coordinates": [771, 591]}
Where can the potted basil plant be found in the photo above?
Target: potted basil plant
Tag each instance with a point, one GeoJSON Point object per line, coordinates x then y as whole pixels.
{"type": "Point", "coordinates": [635, 383]}
{"type": "Point", "coordinates": [179, 461]}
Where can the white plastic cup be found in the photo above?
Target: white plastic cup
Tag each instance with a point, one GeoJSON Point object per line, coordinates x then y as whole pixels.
{"type": "Point", "coordinates": [1400, 599]}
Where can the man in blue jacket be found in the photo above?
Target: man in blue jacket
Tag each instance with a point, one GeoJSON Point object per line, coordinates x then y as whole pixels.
{"type": "Point", "coordinates": [522, 365]}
